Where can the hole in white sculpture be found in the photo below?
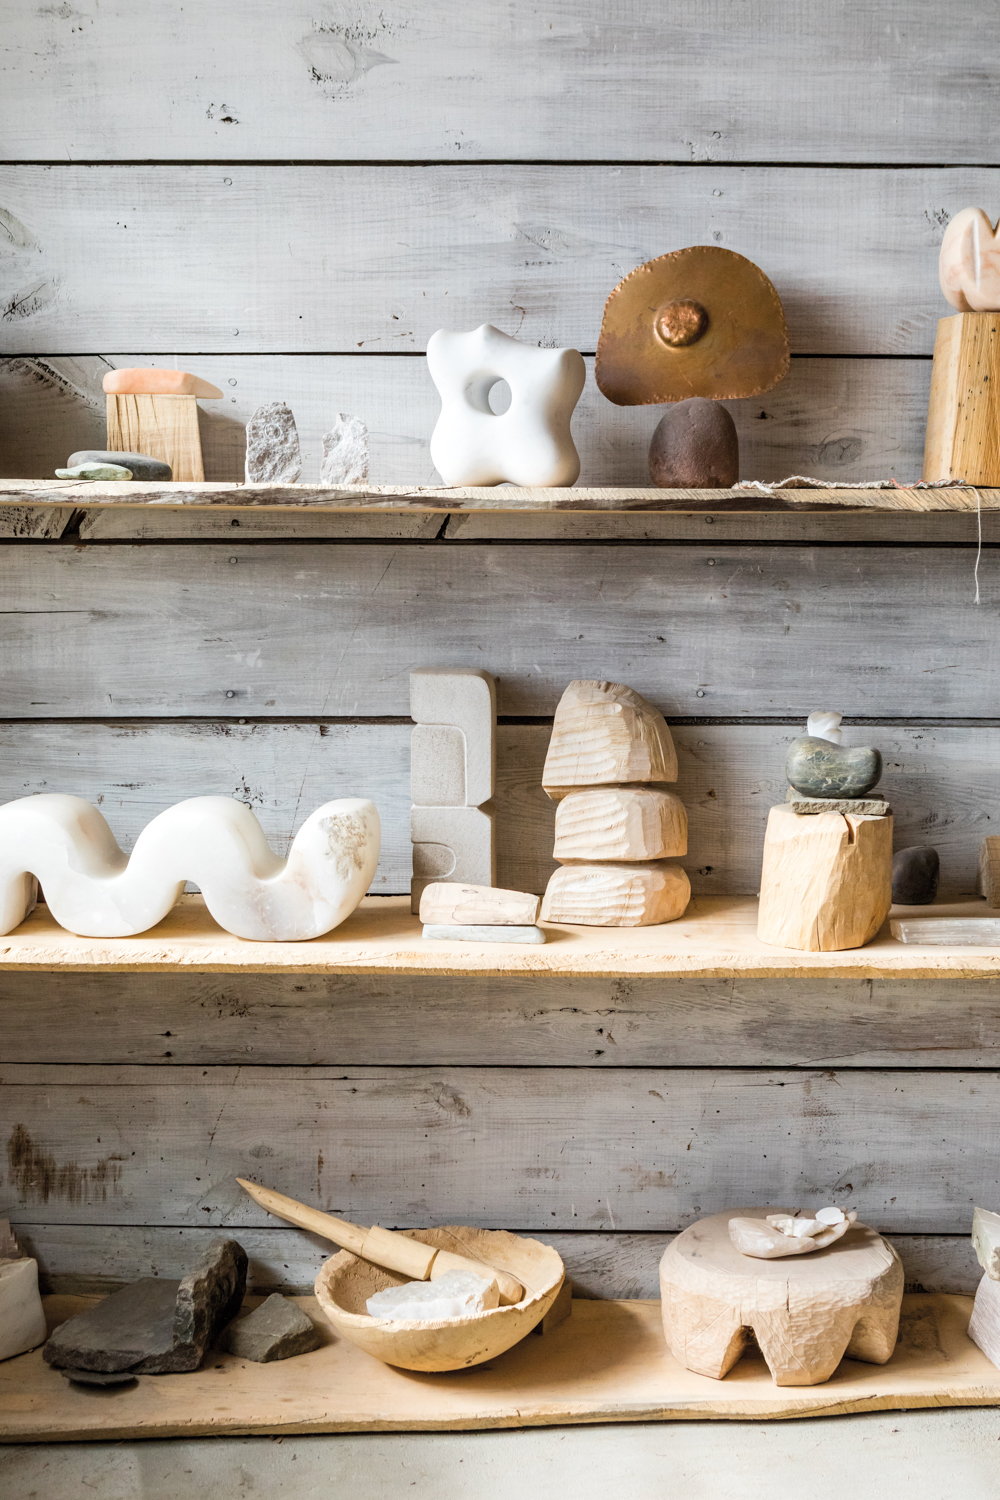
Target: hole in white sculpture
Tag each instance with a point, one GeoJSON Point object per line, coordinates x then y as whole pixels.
{"type": "Point", "coordinates": [499, 398]}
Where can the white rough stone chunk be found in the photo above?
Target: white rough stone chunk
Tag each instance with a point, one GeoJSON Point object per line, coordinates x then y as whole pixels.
{"type": "Point", "coordinates": [273, 455]}
{"type": "Point", "coordinates": [781, 1234]}
{"type": "Point", "coordinates": [95, 890]}
{"type": "Point", "coordinates": [825, 725]}
{"type": "Point", "coordinates": [466, 699]}
{"type": "Point", "coordinates": [530, 444]}
{"type": "Point", "coordinates": [456, 1294]}
{"type": "Point", "coordinates": [984, 1327]}
{"type": "Point", "coordinates": [22, 1321]}
{"type": "Point", "coordinates": [986, 1241]}
{"type": "Point", "coordinates": [484, 934]}
{"type": "Point", "coordinates": [345, 452]}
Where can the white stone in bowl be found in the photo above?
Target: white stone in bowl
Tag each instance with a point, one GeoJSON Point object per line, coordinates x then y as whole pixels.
{"type": "Point", "coordinates": [456, 1294]}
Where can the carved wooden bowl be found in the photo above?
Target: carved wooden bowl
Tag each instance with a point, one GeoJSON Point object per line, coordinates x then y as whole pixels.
{"type": "Point", "coordinates": [345, 1282]}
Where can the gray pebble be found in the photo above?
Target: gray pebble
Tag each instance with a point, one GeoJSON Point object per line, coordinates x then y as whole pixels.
{"type": "Point", "coordinates": [695, 447]}
{"type": "Point", "coordinates": [95, 471]}
{"type": "Point", "coordinates": [143, 467]}
{"type": "Point", "coordinates": [277, 1329]}
{"type": "Point", "coordinates": [818, 768]}
{"type": "Point", "coordinates": [915, 874]}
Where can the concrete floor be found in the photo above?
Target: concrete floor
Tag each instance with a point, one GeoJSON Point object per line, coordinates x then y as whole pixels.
{"type": "Point", "coordinates": [929, 1455]}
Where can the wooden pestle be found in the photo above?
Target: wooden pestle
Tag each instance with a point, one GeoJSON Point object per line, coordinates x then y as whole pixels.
{"type": "Point", "coordinates": [384, 1247]}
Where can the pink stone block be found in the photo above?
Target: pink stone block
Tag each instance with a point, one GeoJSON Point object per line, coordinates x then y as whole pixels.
{"type": "Point", "coordinates": [159, 383]}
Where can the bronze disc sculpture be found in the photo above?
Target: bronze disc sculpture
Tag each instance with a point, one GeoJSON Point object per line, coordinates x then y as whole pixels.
{"type": "Point", "coordinates": [698, 322]}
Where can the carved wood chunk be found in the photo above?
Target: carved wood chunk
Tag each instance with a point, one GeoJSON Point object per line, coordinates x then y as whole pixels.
{"type": "Point", "coordinates": [826, 881]}
{"type": "Point", "coordinates": [806, 1312]}
{"type": "Point", "coordinates": [963, 415]}
{"type": "Point", "coordinates": [163, 427]}
{"type": "Point", "coordinates": [477, 905]}
{"type": "Point", "coordinates": [619, 895]}
{"type": "Point", "coordinates": [984, 1326]}
{"type": "Point", "coordinates": [988, 876]}
{"type": "Point", "coordinates": [620, 823]}
{"type": "Point", "coordinates": [606, 733]}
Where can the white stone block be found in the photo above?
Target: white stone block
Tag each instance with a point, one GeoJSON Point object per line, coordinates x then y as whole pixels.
{"type": "Point", "coordinates": [22, 1321]}
{"type": "Point", "coordinates": [483, 934]}
{"type": "Point", "coordinates": [437, 766]}
{"type": "Point", "coordinates": [984, 1327]}
{"type": "Point", "coordinates": [456, 1294]}
{"type": "Point", "coordinates": [451, 843]}
{"type": "Point", "coordinates": [986, 1241]}
{"type": "Point", "coordinates": [465, 698]}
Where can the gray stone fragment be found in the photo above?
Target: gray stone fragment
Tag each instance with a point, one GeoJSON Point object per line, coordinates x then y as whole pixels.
{"type": "Point", "coordinates": [345, 452]}
{"type": "Point", "coordinates": [99, 1377]}
{"type": "Point", "coordinates": [484, 934]}
{"type": "Point", "coordinates": [143, 467]}
{"type": "Point", "coordinates": [277, 1329]}
{"type": "Point", "coordinates": [915, 875]}
{"type": "Point", "coordinates": [695, 447]}
{"type": "Point", "coordinates": [817, 768]}
{"type": "Point", "coordinates": [154, 1326]}
{"type": "Point", "coordinates": [95, 471]}
{"type": "Point", "coordinates": [876, 807]}
{"type": "Point", "coordinates": [273, 455]}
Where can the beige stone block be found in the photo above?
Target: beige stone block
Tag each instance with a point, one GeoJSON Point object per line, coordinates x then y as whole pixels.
{"type": "Point", "coordinates": [437, 766]}
{"type": "Point", "coordinates": [620, 823]}
{"type": "Point", "coordinates": [616, 895]}
{"type": "Point", "coordinates": [606, 733]}
{"type": "Point", "coordinates": [453, 844]}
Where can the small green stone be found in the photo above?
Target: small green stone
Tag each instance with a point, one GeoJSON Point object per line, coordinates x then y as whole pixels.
{"type": "Point", "coordinates": [818, 768]}
{"type": "Point", "coordinates": [95, 471]}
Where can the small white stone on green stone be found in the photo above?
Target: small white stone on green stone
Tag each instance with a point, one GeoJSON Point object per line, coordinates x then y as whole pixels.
{"type": "Point", "coordinates": [95, 471]}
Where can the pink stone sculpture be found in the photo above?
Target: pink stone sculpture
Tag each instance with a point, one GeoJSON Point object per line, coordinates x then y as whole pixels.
{"type": "Point", "coordinates": [142, 382]}
{"type": "Point", "coordinates": [969, 265]}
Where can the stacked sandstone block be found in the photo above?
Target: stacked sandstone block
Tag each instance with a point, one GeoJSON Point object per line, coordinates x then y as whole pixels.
{"type": "Point", "coordinates": [616, 824]}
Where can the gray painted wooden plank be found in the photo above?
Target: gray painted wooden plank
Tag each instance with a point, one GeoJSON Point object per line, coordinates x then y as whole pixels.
{"type": "Point", "coordinates": [541, 1148]}
{"type": "Point", "coordinates": [332, 630]}
{"type": "Point", "coordinates": [87, 1260]}
{"type": "Point", "coordinates": [836, 419]}
{"type": "Point", "coordinates": [311, 1020]}
{"type": "Point", "coordinates": [941, 783]}
{"type": "Point", "coordinates": [702, 82]}
{"type": "Point", "coordinates": [377, 258]}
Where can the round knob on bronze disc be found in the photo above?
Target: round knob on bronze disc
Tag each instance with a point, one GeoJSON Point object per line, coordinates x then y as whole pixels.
{"type": "Point", "coordinates": [679, 324]}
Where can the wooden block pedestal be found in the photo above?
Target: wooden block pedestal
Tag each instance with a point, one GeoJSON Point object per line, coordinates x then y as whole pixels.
{"type": "Point", "coordinates": [826, 880]}
{"type": "Point", "coordinates": [963, 415]}
{"type": "Point", "coordinates": [163, 427]}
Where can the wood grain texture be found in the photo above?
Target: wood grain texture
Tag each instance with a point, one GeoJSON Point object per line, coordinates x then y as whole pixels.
{"type": "Point", "coordinates": [704, 83]}
{"type": "Point", "coordinates": [376, 258]}
{"type": "Point", "coordinates": [83, 623]}
{"type": "Point", "coordinates": [85, 1260]}
{"type": "Point", "coordinates": [940, 782]}
{"type": "Point", "coordinates": [537, 1020]}
{"type": "Point", "coordinates": [543, 1148]}
{"type": "Point", "coordinates": [828, 418]}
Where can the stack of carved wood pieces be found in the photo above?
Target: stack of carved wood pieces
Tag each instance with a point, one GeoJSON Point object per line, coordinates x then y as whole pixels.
{"type": "Point", "coordinates": [479, 914]}
{"type": "Point", "coordinates": [984, 1329]}
{"type": "Point", "coordinates": [616, 824]}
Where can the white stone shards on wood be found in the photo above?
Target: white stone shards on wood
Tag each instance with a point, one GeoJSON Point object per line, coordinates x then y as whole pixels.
{"type": "Point", "coordinates": [273, 455]}
{"type": "Point", "coordinates": [345, 452]}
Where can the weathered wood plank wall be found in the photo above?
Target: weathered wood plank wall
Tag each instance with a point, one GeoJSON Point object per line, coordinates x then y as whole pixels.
{"type": "Point", "coordinates": [292, 218]}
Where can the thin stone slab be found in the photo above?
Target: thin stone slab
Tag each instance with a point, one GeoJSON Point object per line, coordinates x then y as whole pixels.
{"type": "Point", "coordinates": [277, 1329]}
{"type": "Point", "coordinates": [345, 452]}
{"type": "Point", "coordinates": [807, 807]}
{"type": "Point", "coordinates": [484, 934]}
{"type": "Point", "coordinates": [959, 932]}
{"type": "Point", "coordinates": [273, 455]}
{"type": "Point", "coordinates": [156, 1326]}
{"type": "Point", "coordinates": [99, 1377]}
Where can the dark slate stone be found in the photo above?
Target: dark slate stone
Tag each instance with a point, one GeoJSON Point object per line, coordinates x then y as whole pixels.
{"type": "Point", "coordinates": [142, 466]}
{"type": "Point", "coordinates": [277, 1329]}
{"type": "Point", "coordinates": [818, 768]}
{"type": "Point", "coordinates": [99, 1377]}
{"type": "Point", "coordinates": [154, 1326]}
{"type": "Point", "coordinates": [695, 446]}
{"type": "Point", "coordinates": [915, 875]}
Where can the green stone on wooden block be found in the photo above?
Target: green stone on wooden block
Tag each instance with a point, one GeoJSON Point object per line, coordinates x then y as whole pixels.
{"type": "Point", "coordinates": [818, 768]}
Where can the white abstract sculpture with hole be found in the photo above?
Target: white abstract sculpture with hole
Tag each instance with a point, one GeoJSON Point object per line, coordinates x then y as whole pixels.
{"type": "Point", "coordinates": [95, 890]}
{"type": "Point", "coordinates": [530, 444]}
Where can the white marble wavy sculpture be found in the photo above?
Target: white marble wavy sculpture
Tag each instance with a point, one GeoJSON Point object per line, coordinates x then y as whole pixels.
{"type": "Point", "coordinates": [530, 443]}
{"type": "Point", "coordinates": [969, 263]}
{"type": "Point", "coordinates": [778, 1235]}
{"type": "Point", "coordinates": [95, 890]}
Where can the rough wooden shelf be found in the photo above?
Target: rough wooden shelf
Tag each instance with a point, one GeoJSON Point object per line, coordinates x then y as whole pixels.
{"type": "Point", "coordinates": [607, 1363]}
{"type": "Point", "coordinates": [715, 939]}
{"type": "Point", "coordinates": [498, 499]}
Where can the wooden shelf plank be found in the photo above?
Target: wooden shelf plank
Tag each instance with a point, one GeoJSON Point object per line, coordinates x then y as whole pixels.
{"type": "Point", "coordinates": [499, 499]}
{"type": "Point", "coordinates": [607, 1363]}
{"type": "Point", "coordinates": [715, 939]}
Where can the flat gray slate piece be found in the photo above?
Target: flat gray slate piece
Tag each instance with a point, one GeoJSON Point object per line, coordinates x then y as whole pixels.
{"type": "Point", "coordinates": [484, 934]}
{"type": "Point", "coordinates": [277, 1329]}
{"type": "Point", "coordinates": [808, 806]}
{"type": "Point", "coordinates": [156, 1326]}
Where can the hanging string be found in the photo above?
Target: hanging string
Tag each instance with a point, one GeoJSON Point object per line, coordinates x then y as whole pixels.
{"type": "Point", "coordinates": [979, 551]}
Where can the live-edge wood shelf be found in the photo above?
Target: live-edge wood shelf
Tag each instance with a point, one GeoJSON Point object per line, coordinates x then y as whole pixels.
{"type": "Point", "coordinates": [496, 499]}
{"type": "Point", "coordinates": [607, 1363]}
{"type": "Point", "coordinates": [715, 939]}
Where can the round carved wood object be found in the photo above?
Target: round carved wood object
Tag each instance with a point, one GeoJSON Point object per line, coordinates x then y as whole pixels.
{"type": "Point", "coordinates": [698, 322]}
